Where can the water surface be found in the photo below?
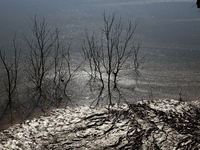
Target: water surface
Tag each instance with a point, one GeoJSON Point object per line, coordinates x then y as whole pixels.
{"type": "Point", "coordinates": [169, 31]}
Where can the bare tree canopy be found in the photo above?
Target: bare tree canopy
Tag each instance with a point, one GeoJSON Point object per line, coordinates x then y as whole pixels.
{"type": "Point", "coordinates": [110, 53]}
{"type": "Point", "coordinates": [11, 80]}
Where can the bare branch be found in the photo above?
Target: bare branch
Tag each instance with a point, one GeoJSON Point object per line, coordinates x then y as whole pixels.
{"type": "Point", "coordinates": [111, 53]}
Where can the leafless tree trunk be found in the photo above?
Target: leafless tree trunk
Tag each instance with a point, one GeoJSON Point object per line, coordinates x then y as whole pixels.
{"type": "Point", "coordinates": [49, 66]}
{"type": "Point", "coordinates": [39, 62]}
{"type": "Point", "coordinates": [112, 52]}
{"type": "Point", "coordinates": [69, 71]}
{"type": "Point", "coordinates": [11, 80]}
{"type": "Point", "coordinates": [93, 54]}
{"type": "Point", "coordinates": [57, 69]}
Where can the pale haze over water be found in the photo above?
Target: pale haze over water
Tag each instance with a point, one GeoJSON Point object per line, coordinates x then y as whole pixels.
{"type": "Point", "coordinates": [169, 31]}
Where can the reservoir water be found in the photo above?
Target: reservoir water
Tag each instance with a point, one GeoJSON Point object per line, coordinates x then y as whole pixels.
{"type": "Point", "coordinates": [169, 31]}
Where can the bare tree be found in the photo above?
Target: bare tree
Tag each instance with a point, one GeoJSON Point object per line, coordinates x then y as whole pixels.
{"type": "Point", "coordinates": [64, 72]}
{"type": "Point", "coordinates": [58, 64]}
{"type": "Point", "coordinates": [49, 67]}
{"type": "Point", "coordinates": [93, 54]}
{"type": "Point", "coordinates": [11, 81]}
{"type": "Point", "coordinates": [39, 62]}
{"type": "Point", "coordinates": [110, 54]}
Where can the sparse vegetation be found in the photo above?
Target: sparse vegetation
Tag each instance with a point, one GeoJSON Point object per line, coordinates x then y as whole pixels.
{"type": "Point", "coordinates": [48, 68]}
{"type": "Point", "coordinates": [10, 81]}
{"type": "Point", "coordinates": [47, 72]}
{"type": "Point", "coordinates": [110, 54]}
{"type": "Point", "coordinates": [39, 63]}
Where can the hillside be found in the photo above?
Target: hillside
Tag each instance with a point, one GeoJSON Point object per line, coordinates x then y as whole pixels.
{"type": "Point", "coordinates": [157, 124]}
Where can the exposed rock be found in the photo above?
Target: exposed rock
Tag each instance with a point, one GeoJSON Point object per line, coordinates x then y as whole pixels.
{"type": "Point", "coordinates": [157, 124]}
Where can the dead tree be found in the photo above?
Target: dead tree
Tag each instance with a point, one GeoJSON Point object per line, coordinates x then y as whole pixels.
{"type": "Point", "coordinates": [11, 79]}
{"type": "Point", "coordinates": [49, 66]}
{"type": "Point", "coordinates": [93, 54]}
{"type": "Point", "coordinates": [112, 51]}
{"type": "Point", "coordinates": [70, 70]}
{"type": "Point", "coordinates": [39, 62]}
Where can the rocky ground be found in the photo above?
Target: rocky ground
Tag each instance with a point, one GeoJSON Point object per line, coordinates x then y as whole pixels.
{"type": "Point", "coordinates": [157, 124]}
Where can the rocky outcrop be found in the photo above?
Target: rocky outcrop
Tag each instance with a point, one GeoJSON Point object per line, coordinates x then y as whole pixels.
{"type": "Point", "coordinates": [157, 124]}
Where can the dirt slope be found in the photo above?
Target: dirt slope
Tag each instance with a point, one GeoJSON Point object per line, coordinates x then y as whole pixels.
{"type": "Point", "coordinates": [158, 124]}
